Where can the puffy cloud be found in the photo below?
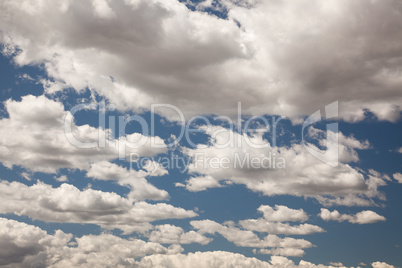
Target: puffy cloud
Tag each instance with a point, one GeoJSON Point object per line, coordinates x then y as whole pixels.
{"type": "Point", "coordinates": [107, 250]}
{"type": "Point", "coordinates": [170, 234]}
{"type": "Point", "coordinates": [24, 245]}
{"type": "Point", "coordinates": [362, 217]}
{"type": "Point", "coordinates": [197, 184]}
{"type": "Point", "coordinates": [379, 264]}
{"type": "Point", "coordinates": [68, 204]}
{"type": "Point", "coordinates": [264, 226]}
{"type": "Point", "coordinates": [271, 170]}
{"type": "Point", "coordinates": [246, 238]}
{"type": "Point", "coordinates": [282, 213]}
{"type": "Point", "coordinates": [272, 221]}
{"type": "Point", "coordinates": [222, 259]}
{"type": "Point", "coordinates": [293, 252]}
{"type": "Point", "coordinates": [34, 137]}
{"type": "Point", "coordinates": [398, 177]}
{"type": "Point", "coordinates": [280, 61]}
{"type": "Point", "coordinates": [141, 189]}
{"type": "Point", "coordinates": [219, 259]}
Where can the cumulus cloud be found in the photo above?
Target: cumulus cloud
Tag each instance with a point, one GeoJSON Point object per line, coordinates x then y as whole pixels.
{"type": "Point", "coordinates": [362, 217]}
{"type": "Point", "coordinates": [271, 170]}
{"type": "Point", "coordinates": [24, 245]}
{"type": "Point", "coordinates": [67, 204]}
{"type": "Point", "coordinates": [379, 264]}
{"type": "Point", "coordinates": [34, 137]}
{"type": "Point", "coordinates": [273, 219]}
{"type": "Point", "coordinates": [197, 184]}
{"type": "Point", "coordinates": [282, 213]}
{"type": "Point", "coordinates": [107, 250]}
{"type": "Point", "coordinates": [280, 61]}
{"type": "Point", "coordinates": [264, 226]}
{"type": "Point", "coordinates": [398, 177]}
{"type": "Point", "coordinates": [246, 238]}
{"type": "Point", "coordinates": [291, 252]}
{"type": "Point", "coordinates": [141, 189]}
{"type": "Point", "coordinates": [219, 259]}
{"type": "Point", "coordinates": [222, 259]}
{"type": "Point", "coordinates": [170, 234]}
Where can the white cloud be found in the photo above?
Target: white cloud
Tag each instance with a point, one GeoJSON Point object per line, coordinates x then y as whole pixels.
{"type": "Point", "coordinates": [282, 213]}
{"type": "Point", "coordinates": [280, 61]}
{"type": "Point", "coordinates": [170, 234]}
{"type": "Point", "coordinates": [273, 219]}
{"type": "Point", "coordinates": [62, 178]}
{"type": "Point", "coordinates": [34, 137]}
{"type": "Point", "coordinates": [24, 245]}
{"type": "Point", "coordinates": [301, 175]}
{"type": "Point", "coordinates": [264, 226]}
{"type": "Point", "coordinates": [218, 259]}
{"type": "Point", "coordinates": [141, 189]}
{"type": "Point", "coordinates": [67, 204]}
{"type": "Point", "coordinates": [246, 238]}
{"type": "Point", "coordinates": [379, 264]}
{"type": "Point", "coordinates": [106, 250]}
{"type": "Point", "coordinates": [197, 184]}
{"type": "Point", "coordinates": [362, 217]}
{"type": "Point", "coordinates": [222, 259]}
{"type": "Point", "coordinates": [398, 177]}
{"type": "Point", "coordinates": [293, 252]}
{"type": "Point", "coordinates": [336, 264]}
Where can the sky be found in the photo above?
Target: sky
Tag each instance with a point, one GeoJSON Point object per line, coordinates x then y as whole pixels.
{"type": "Point", "coordinates": [216, 133]}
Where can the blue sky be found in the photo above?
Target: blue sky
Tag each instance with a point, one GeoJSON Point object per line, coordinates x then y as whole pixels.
{"type": "Point", "coordinates": [64, 205]}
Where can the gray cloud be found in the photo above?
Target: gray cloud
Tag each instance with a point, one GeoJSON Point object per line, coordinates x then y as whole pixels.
{"type": "Point", "coordinates": [277, 62]}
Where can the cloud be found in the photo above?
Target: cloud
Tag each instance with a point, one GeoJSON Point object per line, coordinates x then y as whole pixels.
{"type": "Point", "coordinates": [67, 204]}
{"type": "Point", "coordinates": [197, 184]}
{"type": "Point", "coordinates": [219, 259]}
{"type": "Point", "coordinates": [398, 177]}
{"type": "Point", "coordinates": [336, 264]}
{"type": "Point", "coordinates": [273, 219]}
{"type": "Point", "coordinates": [141, 189]}
{"type": "Point", "coordinates": [362, 217]}
{"type": "Point", "coordinates": [170, 234]}
{"type": "Point", "coordinates": [282, 213]}
{"type": "Point", "coordinates": [280, 61]}
{"type": "Point", "coordinates": [222, 259]}
{"type": "Point", "coordinates": [288, 170]}
{"type": "Point", "coordinates": [264, 226]}
{"type": "Point", "coordinates": [20, 242]}
{"type": "Point", "coordinates": [379, 264]}
{"type": "Point", "coordinates": [24, 245]}
{"type": "Point", "coordinates": [34, 137]}
{"type": "Point", "coordinates": [246, 238]}
{"type": "Point", "coordinates": [292, 252]}
{"type": "Point", "coordinates": [110, 251]}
